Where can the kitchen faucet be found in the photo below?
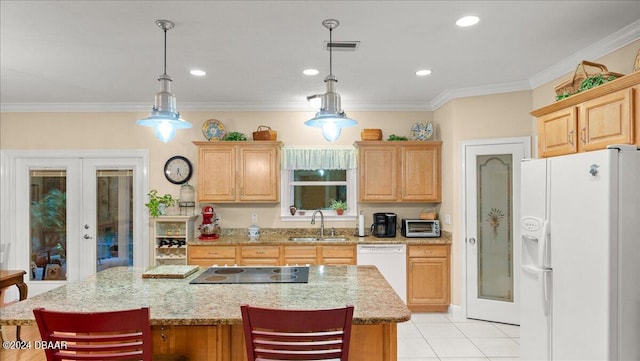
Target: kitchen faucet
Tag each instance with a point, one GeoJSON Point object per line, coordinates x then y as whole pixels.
{"type": "Point", "coordinates": [313, 221]}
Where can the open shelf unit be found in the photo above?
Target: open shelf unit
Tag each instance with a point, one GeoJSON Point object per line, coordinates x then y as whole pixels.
{"type": "Point", "coordinates": [170, 237]}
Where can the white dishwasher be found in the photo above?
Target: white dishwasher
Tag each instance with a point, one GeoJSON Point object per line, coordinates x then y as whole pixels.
{"type": "Point", "coordinates": [391, 260]}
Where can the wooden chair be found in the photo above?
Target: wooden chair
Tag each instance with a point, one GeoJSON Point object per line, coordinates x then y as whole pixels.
{"type": "Point", "coordinates": [114, 335]}
{"type": "Point", "coordinates": [278, 334]}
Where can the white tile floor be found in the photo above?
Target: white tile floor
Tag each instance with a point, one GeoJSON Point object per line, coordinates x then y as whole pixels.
{"type": "Point", "coordinates": [437, 336]}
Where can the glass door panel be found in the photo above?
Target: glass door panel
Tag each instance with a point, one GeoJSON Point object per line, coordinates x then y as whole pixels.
{"type": "Point", "coordinates": [48, 225]}
{"type": "Point", "coordinates": [114, 224]}
{"type": "Point", "coordinates": [495, 242]}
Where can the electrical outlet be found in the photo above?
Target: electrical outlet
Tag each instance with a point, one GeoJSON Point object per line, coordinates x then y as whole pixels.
{"type": "Point", "coordinates": [254, 217]}
{"type": "Point", "coordinates": [218, 217]}
{"type": "Point", "coordinates": [447, 219]}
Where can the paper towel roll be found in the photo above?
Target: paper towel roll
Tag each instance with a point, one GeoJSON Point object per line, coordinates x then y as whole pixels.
{"type": "Point", "coordinates": [361, 225]}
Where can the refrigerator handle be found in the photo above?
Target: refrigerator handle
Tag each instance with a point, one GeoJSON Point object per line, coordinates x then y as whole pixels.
{"type": "Point", "coordinates": [546, 297]}
{"type": "Point", "coordinates": [542, 245]}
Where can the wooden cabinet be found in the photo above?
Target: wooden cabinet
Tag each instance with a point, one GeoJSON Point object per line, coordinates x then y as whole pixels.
{"type": "Point", "coordinates": [557, 132]}
{"type": "Point", "coordinates": [238, 172]}
{"type": "Point", "coordinates": [170, 237]}
{"type": "Point", "coordinates": [300, 255]}
{"type": "Point", "coordinates": [338, 255]}
{"type": "Point", "coordinates": [428, 278]}
{"type": "Point", "coordinates": [271, 255]}
{"type": "Point", "coordinates": [259, 256]}
{"type": "Point", "coordinates": [591, 120]}
{"type": "Point", "coordinates": [606, 120]}
{"type": "Point", "coordinates": [402, 171]}
{"type": "Point", "coordinates": [208, 256]}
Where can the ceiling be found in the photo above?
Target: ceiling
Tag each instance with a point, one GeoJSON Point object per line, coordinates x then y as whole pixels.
{"type": "Point", "coordinates": [107, 55]}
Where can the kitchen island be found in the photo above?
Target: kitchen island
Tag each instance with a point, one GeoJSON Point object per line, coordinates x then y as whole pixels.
{"type": "Point", "coordinates": [204, 321]}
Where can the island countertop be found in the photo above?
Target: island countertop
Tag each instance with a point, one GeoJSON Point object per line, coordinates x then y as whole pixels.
{"type": "Point", "coordinates": [176, 302]}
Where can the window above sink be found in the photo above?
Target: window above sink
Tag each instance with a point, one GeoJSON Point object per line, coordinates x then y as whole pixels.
{"type": "Point", "coordinates": [305, 187]}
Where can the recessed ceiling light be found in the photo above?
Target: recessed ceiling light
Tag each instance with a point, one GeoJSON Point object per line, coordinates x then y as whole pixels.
{"type": "Point", "coordinates": [423, 72]}
{"type": "Point", "coordinates": [310, 72]}
{"type": "Point", "coordinates": [198, 72]}
{"type": "Point", "coordinates": [467, 21]}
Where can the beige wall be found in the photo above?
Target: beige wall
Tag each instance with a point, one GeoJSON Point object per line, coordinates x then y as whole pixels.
{"type": "Point", "coordinates": [42, 131]}
{"type": "Point", "coordinates": [473, 118]}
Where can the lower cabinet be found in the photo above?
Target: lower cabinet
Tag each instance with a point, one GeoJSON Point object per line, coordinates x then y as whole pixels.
{"type": "Point", "coordinates": [271, 255]}
{"type": "Point", "coordinates": [300, 255]}
{"type": "Point", "coordinates": [428, 278]}
{"type": "Point", "coordinates": [338, 255]}
{"type": "Point", "coordinates": [208, 256]}
{"type": "Point", "coordinates": [259, 256]}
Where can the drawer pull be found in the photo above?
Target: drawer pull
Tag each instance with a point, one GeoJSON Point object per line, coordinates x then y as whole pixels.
{"type": "Point", "coordinates": [259, 252]}
{"type": "Point", "coordinates": [213, 253]}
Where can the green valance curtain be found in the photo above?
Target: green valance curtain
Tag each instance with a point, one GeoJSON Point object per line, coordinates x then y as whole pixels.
{"type": "Point", "coordinates": [294, 158]}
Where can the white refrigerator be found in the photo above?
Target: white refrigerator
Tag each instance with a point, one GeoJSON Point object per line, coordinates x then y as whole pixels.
{"type": "Point", "coordinates": [580, 284]}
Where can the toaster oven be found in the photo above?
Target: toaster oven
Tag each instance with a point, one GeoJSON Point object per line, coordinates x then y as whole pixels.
{"type": "Point", "coordinates": [420, 228]}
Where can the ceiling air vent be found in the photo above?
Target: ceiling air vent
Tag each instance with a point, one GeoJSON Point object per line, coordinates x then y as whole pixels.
{"type": "Point", "coordinates": [342, 45]}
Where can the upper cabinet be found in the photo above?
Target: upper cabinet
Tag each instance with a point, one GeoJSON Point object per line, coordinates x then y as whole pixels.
{"type": "Point", "coordinates": [399, 171]}
{"type": "Point", "coordinates": [591, 120]}
{"type": "Point", "coordinates": [232, 172]}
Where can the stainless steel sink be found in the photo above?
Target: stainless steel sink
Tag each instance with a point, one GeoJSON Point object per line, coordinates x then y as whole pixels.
{"type": "Point", "coordinates": [317, 239]}
{"type": "Point", "coordinates": [334, 239]}
{"type": "Point", "coordinates": [304, 239]}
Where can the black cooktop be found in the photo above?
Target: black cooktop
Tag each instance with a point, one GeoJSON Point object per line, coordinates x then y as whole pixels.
{"type": "Point", "coordinates": [241, 274]}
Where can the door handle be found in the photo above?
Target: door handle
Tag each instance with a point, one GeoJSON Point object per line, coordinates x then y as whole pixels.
{"type": "Point", "coordinates": [86, 236]}
{"type": "Point", "coordinates": [472, 240]}
{"type": "Point", "coordinates": [570, 137]}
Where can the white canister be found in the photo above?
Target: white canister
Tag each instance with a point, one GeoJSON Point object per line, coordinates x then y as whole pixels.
{"type": "Point", "coordinates": [254, 230]}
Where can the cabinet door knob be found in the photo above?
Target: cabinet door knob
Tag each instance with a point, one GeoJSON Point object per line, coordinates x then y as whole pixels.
{"type": "Point", "coordinates": [472, 240]}
{"type": "Point", "coordinates": [583, 135]}
{"type": "Point", "coordinates": [570, 137]}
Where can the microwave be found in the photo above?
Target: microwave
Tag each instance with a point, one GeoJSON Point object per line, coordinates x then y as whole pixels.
{"type": "Point", "coordinates": [420, 228]}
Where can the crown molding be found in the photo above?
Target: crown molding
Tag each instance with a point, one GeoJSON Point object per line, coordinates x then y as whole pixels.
{"type": "Point", "coordinates": [203, 106]}
{"type": "Point", "coordinates": [615, 41]}
{"type": "Point", "coordinates": [451, 94]}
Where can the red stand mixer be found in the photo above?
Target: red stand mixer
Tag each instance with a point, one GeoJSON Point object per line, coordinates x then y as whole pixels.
{"type": "Point", "coordinates": [209, 229]}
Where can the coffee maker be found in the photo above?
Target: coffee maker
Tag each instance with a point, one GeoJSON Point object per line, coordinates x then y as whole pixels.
{"type": "Point", "coordinates": [384, 225]}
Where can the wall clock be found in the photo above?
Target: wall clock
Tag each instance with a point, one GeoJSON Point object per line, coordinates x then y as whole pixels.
{"type": "Point", "coordinates": [178, 169]}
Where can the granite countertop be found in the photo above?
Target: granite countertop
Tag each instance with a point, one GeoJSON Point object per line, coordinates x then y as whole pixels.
{"type": "Point", "coordinates": [280, 236]}
{"type": "Point", "coordinates": [176, 302]}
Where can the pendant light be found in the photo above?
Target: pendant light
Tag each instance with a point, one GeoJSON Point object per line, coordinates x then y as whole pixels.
{"type": "Point", "coordinates": [331, 118]}
{"type": "Point", "coordinates": [163, 118]}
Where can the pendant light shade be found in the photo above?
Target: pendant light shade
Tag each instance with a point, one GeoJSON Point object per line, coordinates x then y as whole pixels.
{"type": "Point", "coordinates": [331, 118]}
{"type": "Point", "coordinates": [164, 118]}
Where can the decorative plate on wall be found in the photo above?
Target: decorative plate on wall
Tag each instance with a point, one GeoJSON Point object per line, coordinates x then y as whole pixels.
{"type": "Point", "coordinates": [213, 129]}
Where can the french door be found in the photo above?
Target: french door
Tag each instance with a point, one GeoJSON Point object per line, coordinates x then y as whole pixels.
{"type": "Point", "coordinates": [491, 218]}
{"type": "Point", "coordinates": [76, 213]}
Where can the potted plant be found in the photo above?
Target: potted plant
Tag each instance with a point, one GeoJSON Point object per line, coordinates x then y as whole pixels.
{"type": "Point", "coordinates": [339, 206]}
{"type": "Point", "coordinates": [158, 204]}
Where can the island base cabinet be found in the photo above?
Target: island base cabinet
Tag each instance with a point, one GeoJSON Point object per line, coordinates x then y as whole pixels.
{"type": "Point", "coordinates": [226, 342]}
{"type": "Point", "coordinates": [194, 342]}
